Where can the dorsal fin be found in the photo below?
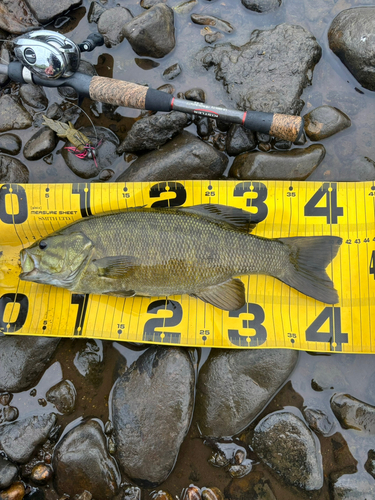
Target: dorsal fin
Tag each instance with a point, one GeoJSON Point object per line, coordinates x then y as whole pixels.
{"type": "Point", "coordinates": [236, 217]}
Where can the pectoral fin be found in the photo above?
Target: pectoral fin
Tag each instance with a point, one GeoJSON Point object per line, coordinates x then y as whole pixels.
{"type": "Point", "coordinates": [115, 267]}
{"type": "Point", "coordinates": [228, 296]}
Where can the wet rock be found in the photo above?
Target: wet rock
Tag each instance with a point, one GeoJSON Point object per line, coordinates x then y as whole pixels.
{"type": "Point", "coordinates": [282, 144]}
{"type": "Point", "coordinates": [287, 445]}
{"type": "Point", "coordinates": [195, 94]}
{"type": "Point", "coordinates": [279, 58]}
{"type": "Point", "coordinates": [353, 413]}
{"type": "Point", "coordinates": [89, 361]}
{"type": "Point", "coordinates": [40, 144]}
{"type": "Point", "coordinates": [8, 473]}
{"type": "Point", "coordinates": [14, 492]}
{"type": "Point", "coordinates": [81, 462]}
{"type": "Point", "coordinates": [105, 153]}
{"type": "Point", "coordinates": [168, 88]}
{"type": "Point", "coordinates": [153, 131]}
{"type": "Point", "coordinates": [13, 115]}
{"type": "Point", "coordinates": [10, 144]}
{"type": "Point", "coordinates": [350, 37]}
{"type": "Point", "coordinates": [5, 59]}
{"type": "Point", "coordinates": [16, 18]}
{"type": "Point", "coordinates": [34, 96]}
{"type": "Point", "coordinates": [95, 11]}
{"type": "Point", "coordinates": [41, 474]}
{"type": "Point", "coordinates": [151, 34]}
{"type": "Point", "coordinates": [147, 4]}
{"type": "Point", "coordinates": [206, 20]}
{"type": "Point", "coordinates": [253, 487]}
{"type": "Point", "coordinates": [213, 37]}
{"type": "Point", "coordinates": [20, 439]}
{"type": "Point", "coordinates": [46, 11]}
{"type": "Point", "coordinates": [370, 463]}
{"type": "Point", "coordinates": [353, 487]}
{"type": "Point", "coordinates": [318, 421]}
{"type": "Point", "coordinates": [12, 170]}
{"type": "Point", "coordinates": [151, 408]}
{"type": "Point", "coordinates": [361, 169]}
{"type": "Point", "coordinates": [295, 164]}
{"type": "Point", "coordinates": [10, 413]}
{"type": "Point", "coordinates": [23, 360]}
{"type": "Point", "coordinates": [343, 461]}
{"type": "Point", "coordinates": [185, 7]}
{"type": "Point", "coordinates": [106, 174]}
{"type": "Point", "coordinates": [234, 386]}
{"type": "Point", "coordinates": [325, 121]}
{"type": "Point", "coordinates": [184, 157]}
{"type": "Point", "coordinates": [172, 72]}
{"type": "Point", "coordinates": [212, 494]}
{"type": "Point", "coordinates": [111, 24]}
{"type": "Point", "coordinates": [239, 140]}
{"type": "Point", "coordinates": [261, 5]}
{"type": "Point", "coordinates": [63, 396]}
{"type": "Point", "coordinates": [204, 126]}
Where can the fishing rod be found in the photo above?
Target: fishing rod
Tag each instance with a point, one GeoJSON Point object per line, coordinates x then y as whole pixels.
{"type": "Point", "coordinates": [49, 59]}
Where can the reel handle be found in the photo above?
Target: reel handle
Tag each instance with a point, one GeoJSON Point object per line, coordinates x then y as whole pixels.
{"type": "Point", "coordinates": [92, 41]}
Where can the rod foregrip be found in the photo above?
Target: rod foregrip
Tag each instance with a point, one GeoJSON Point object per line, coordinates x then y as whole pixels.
{"type": "Point", "coordinates": [118, 92]}
{"type": "Point", "coordinates": [286, 127]}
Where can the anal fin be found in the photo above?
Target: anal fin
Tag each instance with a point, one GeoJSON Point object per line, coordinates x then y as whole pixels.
{"type": "Point", "coordinates": [229, 295]}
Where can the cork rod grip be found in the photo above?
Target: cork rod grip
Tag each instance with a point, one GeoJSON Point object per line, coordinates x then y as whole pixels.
{"type": "Point", "coordinates": [118, 92]}
{"type": "Point", "coordinates": [286, 127]}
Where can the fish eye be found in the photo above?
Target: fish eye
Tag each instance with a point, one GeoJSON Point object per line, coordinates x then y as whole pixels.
{"type": "Point", "coordinates": [42, 245]}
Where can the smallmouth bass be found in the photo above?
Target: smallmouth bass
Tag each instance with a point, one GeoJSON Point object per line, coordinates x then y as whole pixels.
{"type": "Point", "coordinates": [174, 251]}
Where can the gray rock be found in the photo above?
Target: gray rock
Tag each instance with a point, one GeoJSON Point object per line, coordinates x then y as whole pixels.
{"type": "Point", "coordinates": [12, 170]}
{"type": "Point", "coordinates": [172, 72]}
{"type": "Point", "coordinates": [105, 153]}
{"type": "Point", "coordinates": [40, 144]}
{"type": "Point", "coordinates": [185, 7]}
{"type": "Point", "coordinates": [152, 405]}
{"type": "Point", "coordinates": [351, 38]}
{"type": "Point", "coordinates": [287, 445]}
{"type": "Point", "coordinates": [151, 34]}
{"type": "Point", "coordinates": [147, 4]}
{"type": "Point", "coordinates": [34, 96]}
{"type": "Point", "coordinates": [81, 462]}
{"type": "Point", "coordinates": [239, 140]}
{"type": "Point", "coordinates": [324, 121]}
{"type": "Point", "coordinates": [370, 463]}
{"type": "Point", "coordinates": [153, 131]}
{"type": "Point", "coordinates": [195, 94]}
{"type": "Point", "coordinates": [216, 22]}
{"type": "Point", "coordinates": [111, 24]}
{"type": "Point", "coordinates": [213, 37]}
{"type": "Point", "coordinates": [279, 58]}
{"type": "Point", "coordinates": [361, 169]}
{"type": "Point", "coordinates": [89, 360]}
{"type": "Point", "coordinates": [63, 396]}
{"type": "Point", "coordinates": [353, 413]}
{"type": "Point", "coordinates": [13, 115]}
{"type": "Point", "coordinates": [261, 5]}
{"type": "Point", "coordinates": [95, 11]}
{"type": "Point", "coordinates": [46, 11]}
{"type": "Point", "coordinates": [20, 439]}
{"type": "Point", "coordinates": [16, 18]}
{"type": "Point", "coordinates": [295, 164]}
{"type": "Point", "coordinates": [204, 126]}
{"type": "Point", "coordinates": [23, 361]}
{"type": "Point", "coordinates": [10, 144]}
{"type": "Point", "coordinates": [10, 413]}
{"type": "Point", "coordinates": [318, 421]}
{"type": "Point", "coordinates": [5, 59]}
{"type": "Point", "coordinates": [184, 157]}
{"type": "Point", "coordinates": [235, 385]}
{"type": "Point", "coordinates": [8, 473]}
{"type": "Point", "coordinates": [354, 487]}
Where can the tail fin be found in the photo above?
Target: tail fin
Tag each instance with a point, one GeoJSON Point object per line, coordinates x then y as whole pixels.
{"type": "Point", "coordinates": [309, 256]}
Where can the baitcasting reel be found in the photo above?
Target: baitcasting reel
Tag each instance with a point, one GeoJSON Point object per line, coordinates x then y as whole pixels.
{"type": "Point", "coordinates": [50, 55]}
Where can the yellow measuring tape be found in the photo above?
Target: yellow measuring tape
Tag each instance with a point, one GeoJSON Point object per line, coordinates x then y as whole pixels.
{"type": "Point", "coordinates": [275, 315]}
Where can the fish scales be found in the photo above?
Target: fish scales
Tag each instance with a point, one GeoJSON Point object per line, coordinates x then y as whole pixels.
{"type": "Point", "coordinates": [178, 252]}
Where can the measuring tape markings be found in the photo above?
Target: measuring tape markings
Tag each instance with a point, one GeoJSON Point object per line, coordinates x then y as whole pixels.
{"type": "Point", "coordinates": [330, 203]}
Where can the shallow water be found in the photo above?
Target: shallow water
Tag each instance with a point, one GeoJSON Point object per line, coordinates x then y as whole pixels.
{"type": "Point", "coordinates": [333, 85]}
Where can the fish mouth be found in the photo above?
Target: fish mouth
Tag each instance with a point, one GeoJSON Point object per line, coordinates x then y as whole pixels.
{"type": "Point", "coordinates": [29, 264]}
